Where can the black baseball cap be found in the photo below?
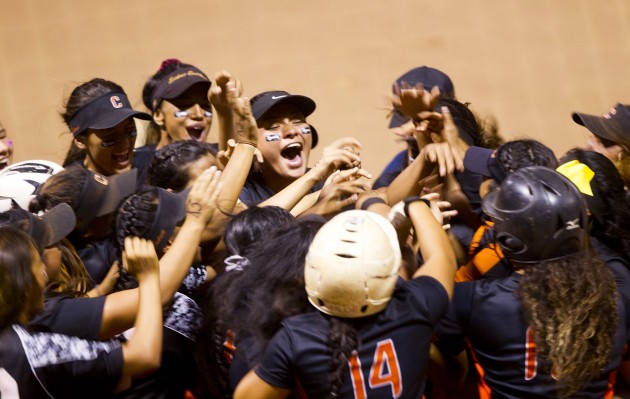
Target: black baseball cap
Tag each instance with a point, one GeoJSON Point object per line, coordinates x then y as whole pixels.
{"type": "Point", "coordinates": [264, 102]}
{"type": "Point", "coordinates": [104, 112]}
{"type": "Point", "coordinates": [429, 77]}
{"type": "Point", "coordinates": [483, 162]}
{"type": "Point", "coordinates": [47, 229]}
{"type": "Point", "coordinates": [102, 195]}
{"type": "Point", "coordinates": [612, 126]}
{"type": "Point", "coordinates": [177, 82]}
{"type": "Point", "coordinates": [171, 211]}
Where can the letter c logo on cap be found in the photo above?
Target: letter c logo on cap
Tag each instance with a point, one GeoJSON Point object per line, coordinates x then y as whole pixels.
{"type": "Point", "coordinates": [115, 100]}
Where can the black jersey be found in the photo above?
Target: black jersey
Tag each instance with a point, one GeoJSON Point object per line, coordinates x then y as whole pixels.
{"type": "Point", "coordinates": [489, 314]}
{"type": "Point", "coordinates": [47, 365]}
{"type": "Point", "coordinates": [391, 358]}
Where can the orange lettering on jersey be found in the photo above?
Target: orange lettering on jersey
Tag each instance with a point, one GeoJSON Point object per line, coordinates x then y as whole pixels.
{"type": "Point", "coordinates": [530, 355]}
{"type": "Point", "coordinates": [385, 368]}
{"type": "Point", "coordinates": [358, 385]}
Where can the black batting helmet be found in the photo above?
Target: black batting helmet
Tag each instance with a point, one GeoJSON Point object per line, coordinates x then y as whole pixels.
{"type": "Point", "coordinates": [538, 215]}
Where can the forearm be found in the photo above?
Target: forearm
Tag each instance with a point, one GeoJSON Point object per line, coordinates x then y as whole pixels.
{"type": "Point", "coordinates": [177, 260]}
{"type": "Point", "coordinates": [234, 176]}
{"type": "Point", "coordinates": [406, 183]}
{"type": "Point", "coordinates": [435, 247]}
{"type": "Point", "coordinates": [142, 353]}
{"type": "Point", "coordinates": [291, 195]}
{"type": "Point", "coordinates": [226, 128]}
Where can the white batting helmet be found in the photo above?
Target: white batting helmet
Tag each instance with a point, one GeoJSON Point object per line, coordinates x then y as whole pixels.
{"type": "Point", "coordinates": [352, 265]}
{"type": "Point", "coordinates": [20, 182]}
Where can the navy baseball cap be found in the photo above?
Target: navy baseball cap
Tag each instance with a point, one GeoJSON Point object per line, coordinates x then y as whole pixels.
{"type": "Point", "coordinates": [104, 112]}
{"type": "Point", "coordinates": [171, 211]}
{"type": "Point", "coordinates": [483, 162]}
{"type": "Point", "coordinates": [264, 102]}
{"type": "Point", "coordinates": [612, 126]}
{"type": "Point", "coordinates": [429, 77]}
{"type": "Point", "coordinates": [102, 195]}
{"type": "Point", "coordinates": [47, 229]}
{"type": "Point", "coordinates": [177, 82]}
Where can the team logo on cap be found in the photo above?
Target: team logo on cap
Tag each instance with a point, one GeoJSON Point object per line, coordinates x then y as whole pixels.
{"type": "Point", "coordinates": [115, 100]}
{"type": "Point", "coordinates": [277, 97]}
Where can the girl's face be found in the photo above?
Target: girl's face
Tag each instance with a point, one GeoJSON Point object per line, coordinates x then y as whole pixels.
{"type": "Point", "coordinates": [188, 117]}
{"type": "Point", "coordinates": [284, 143]}
{"type": "Point", "coordinates": [6, 148]}
{"type": "Point", "coordinates": [604, 147]}
{"type": "Point", "coordinates": [196, 168]}
{"type": "Point", "coordinates": [109, 151]}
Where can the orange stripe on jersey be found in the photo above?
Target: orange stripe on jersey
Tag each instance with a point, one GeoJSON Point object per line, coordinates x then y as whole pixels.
{"type": "Point", "coordinates": [530, 355]}
{"type": "Point", "coordinates": [484, 390]}
{"type": "Point", "coordinates": [229, 346]}
{"type": "Point", "coordinates": [610, 390]}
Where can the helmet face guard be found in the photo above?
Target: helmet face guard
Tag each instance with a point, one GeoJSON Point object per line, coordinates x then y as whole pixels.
{"type": "Point", "coordinates": [352, 265]}
{"type": "Point", "coordinates": [538, 215]}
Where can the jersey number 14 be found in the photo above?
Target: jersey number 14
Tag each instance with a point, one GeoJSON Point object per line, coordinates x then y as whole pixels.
{"type": "Point", "coordinates": [385, 371]}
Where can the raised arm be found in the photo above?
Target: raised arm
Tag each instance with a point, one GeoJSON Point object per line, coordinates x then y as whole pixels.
{"type": "Point", "coordinates": [218, 96]}
{"type": "Point", "coordinates": [142, 353]}
{"type": "Point", "coordinates": [120, 308]}
{"type": "Point", "coordinates": [435, 247]}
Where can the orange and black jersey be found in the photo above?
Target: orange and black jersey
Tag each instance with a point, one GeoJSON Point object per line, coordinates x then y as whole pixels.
{"type": "Point", "coordinates": [390, 361]}
{"type": "Point", "coordinates": [488, 314]}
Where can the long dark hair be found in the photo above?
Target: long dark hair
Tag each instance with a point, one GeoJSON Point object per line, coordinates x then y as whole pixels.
{"type": "Point", "coordinates": [608, 206]}
{"type": "Point", "coordinates": [16, 277]}
{"type": "Point", "coordinates": [253, 302]}
{"type": "Point", "coordinates": [80, 96]}
{"type": "Point", "coordinates": [570, 303]}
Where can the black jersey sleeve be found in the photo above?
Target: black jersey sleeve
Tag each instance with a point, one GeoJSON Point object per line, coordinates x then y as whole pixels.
{"type": "Point", "coordinates": [276, 366]}
{"type": "Point", "coordinates": [64, 314]}
{"type": "Point", "coordinates": [427, 293]}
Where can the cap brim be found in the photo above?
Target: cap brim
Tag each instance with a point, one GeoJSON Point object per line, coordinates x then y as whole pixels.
{"type": "Point", "coordinates": [398, 119]}
{"type": "Point", "coordinates": [303, 103]}
{"type": "Point", "coordinates": [60, 222]}
{"type": "Point", "coordinates": [120, 187]}
{"type": "Point", "coordinates": [178, 90]}
{"type": "Point", "coordinates": [597, 125]}
{"type": "Point", "coordinates": [115, 117]}
{"type": "Point", "coordinates": [170, 212]}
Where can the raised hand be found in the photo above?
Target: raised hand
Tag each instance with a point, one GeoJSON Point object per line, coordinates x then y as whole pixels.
{"type": "Point", "coordinates": [341, 190]}
{"type": "Point", "coordinates": [343, 153]}
{"type": "Point", "coordinates": [201, 202]}
{"type": "Point", "coordinates": [218, 93]}
{"type": "Point", "coordinates": [442, 210]}
{"type": "Point", "coordinates": [245, 127]}
{"type": "Point", "coordinates": [139, 258]}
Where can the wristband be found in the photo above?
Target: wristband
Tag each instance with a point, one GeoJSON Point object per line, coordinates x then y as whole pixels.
{"type": "Point", "coordinates": [248, 142]}
{"type": "Point", "coordinates": [410, 200]}
{"type": "Point", "coordinates": [370, 201]}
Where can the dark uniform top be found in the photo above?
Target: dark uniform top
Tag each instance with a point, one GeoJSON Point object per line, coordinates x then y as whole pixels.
{"type": "Point", "coordinates": [489, 314]}
{"type": "Point", "coordinates": [392, 356]}
{"type": "Point", "coordinates": [46, 365]}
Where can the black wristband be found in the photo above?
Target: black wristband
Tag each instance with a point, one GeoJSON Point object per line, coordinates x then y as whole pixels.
{"type": "Point", "coordinates": [415, 198]}
{"type": "Point", "coordinates": [370, 201]}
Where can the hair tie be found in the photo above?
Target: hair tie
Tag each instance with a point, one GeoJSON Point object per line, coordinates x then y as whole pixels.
{"type": "Point", "coordinates": [236, 263]}
{"type": "Point", "coordinates": [167, 62]}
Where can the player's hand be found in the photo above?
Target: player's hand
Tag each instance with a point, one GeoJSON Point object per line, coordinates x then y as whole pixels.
{"type": "Point", "coordinates": [245, 127]}
{"type": "Point", "coordinates": [343, 153]}
{"type": "Point", "coordinates": [414, 100]}
{"type": "Point", "coordinates": [139, 258]}
{"type": "Point", "coordinates": [342, 190]}
{"type": "Point", "coordinates": [218, 91]}
{"type": "Point", "coordinates": [442, 210]}
{"type": "Point", "coordinates": [201, 202]}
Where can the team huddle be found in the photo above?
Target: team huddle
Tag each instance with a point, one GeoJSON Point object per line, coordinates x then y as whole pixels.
{"type": "Point", "coordinates": [161, 265]}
